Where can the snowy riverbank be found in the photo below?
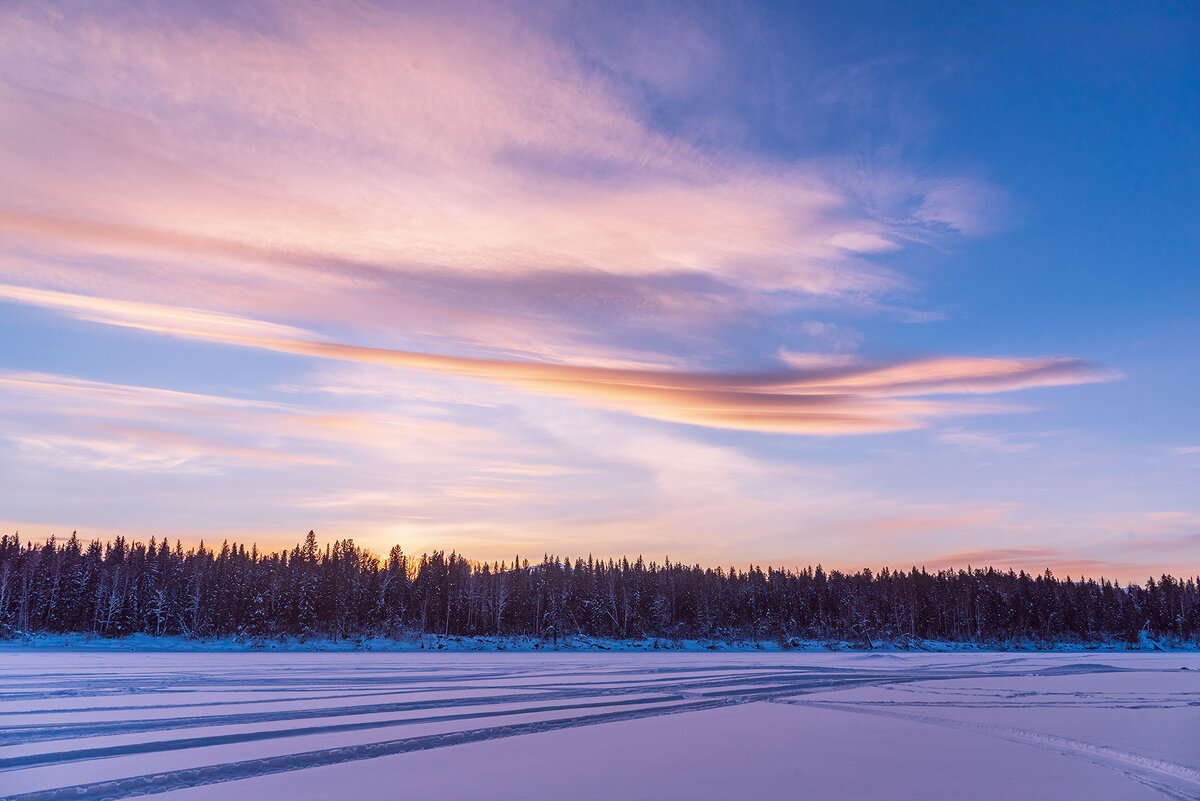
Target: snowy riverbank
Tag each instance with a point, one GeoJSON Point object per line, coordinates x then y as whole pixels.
{"type": "Point", "coordinates": [432, 642]}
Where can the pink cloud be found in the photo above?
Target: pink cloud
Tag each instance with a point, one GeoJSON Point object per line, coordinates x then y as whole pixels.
{"type": "Point", "coordinates": [257, 162]}
{"type": "Point", "coordinates": [821, 400]}
{"type": "Point", "coordinates": [1037, 559]}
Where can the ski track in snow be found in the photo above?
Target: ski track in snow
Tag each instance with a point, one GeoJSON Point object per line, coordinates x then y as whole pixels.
{"type": "Point", "coordinates": [1175, 781]}
{"type": "Point", "coordinates": [478, 698]}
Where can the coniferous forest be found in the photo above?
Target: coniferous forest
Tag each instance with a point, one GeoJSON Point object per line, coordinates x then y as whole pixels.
{"type": "Point", "coordinates": [341, 590]}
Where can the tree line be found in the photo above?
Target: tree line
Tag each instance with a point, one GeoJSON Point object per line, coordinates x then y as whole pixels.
{"type": "Point", "coordinates": [342, 590]}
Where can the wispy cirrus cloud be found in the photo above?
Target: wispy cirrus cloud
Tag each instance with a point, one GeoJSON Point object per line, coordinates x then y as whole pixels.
{"type": "Point", "coordinates": [829, 399]}
{"type": "Point", "coordinates": [141, 448]}
{"type": "Point", "coordinates": [982, 441]}
{"type": "Point", "coordinates": [84, 423]}
{"type": "Point", "coordinates": [408, 157]}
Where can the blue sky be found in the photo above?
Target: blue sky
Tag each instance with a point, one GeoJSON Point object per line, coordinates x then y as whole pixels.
{"type": "Point", "coordinates": [859, 284]}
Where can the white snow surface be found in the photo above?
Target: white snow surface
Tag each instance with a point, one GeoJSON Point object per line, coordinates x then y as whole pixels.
{"type": "Point", "coordinates": [95, 723]}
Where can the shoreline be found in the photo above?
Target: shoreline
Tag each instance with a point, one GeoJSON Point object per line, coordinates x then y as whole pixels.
{"type": "Point", "coordinates": [436, 643]}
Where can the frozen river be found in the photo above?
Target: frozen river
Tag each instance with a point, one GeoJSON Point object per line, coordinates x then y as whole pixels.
{"type": "Point", "coordinates": [83, 724]}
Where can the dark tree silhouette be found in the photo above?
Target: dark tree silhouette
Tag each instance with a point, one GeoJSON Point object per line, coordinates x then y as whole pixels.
{"type": "Point", "coordinates": [117, 588]}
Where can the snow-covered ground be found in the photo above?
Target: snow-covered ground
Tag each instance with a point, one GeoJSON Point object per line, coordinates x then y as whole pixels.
{"type": "Point", "coordinates": [92, 723]}
{"type": "Point", "coordinates": [578, 643]}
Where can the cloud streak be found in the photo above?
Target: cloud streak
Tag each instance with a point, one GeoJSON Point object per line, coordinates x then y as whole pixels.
{"type": "Point", "coordinates": [1035, 559]}
{"type": "Point", "coordinates": [848, 399]}
{"type": "Point", "coordinates": [397, 157]}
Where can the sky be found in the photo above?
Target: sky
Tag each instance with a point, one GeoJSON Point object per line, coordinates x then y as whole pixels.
{"type": "Point", "coordinates": [859, 284]}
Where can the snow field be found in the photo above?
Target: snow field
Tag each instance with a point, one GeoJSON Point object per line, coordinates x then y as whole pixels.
{"type": "Point", "coordinates": [102, 724]}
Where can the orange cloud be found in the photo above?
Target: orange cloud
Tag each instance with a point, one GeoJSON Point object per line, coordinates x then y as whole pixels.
{"type": "Point", "coordinates": [861, 399]}
{"type": "Point", "coordinates": [821, 400]}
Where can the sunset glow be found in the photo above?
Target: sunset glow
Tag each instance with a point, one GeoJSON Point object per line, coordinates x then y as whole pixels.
{"type": "Point", "coordinates": [725, 283]}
